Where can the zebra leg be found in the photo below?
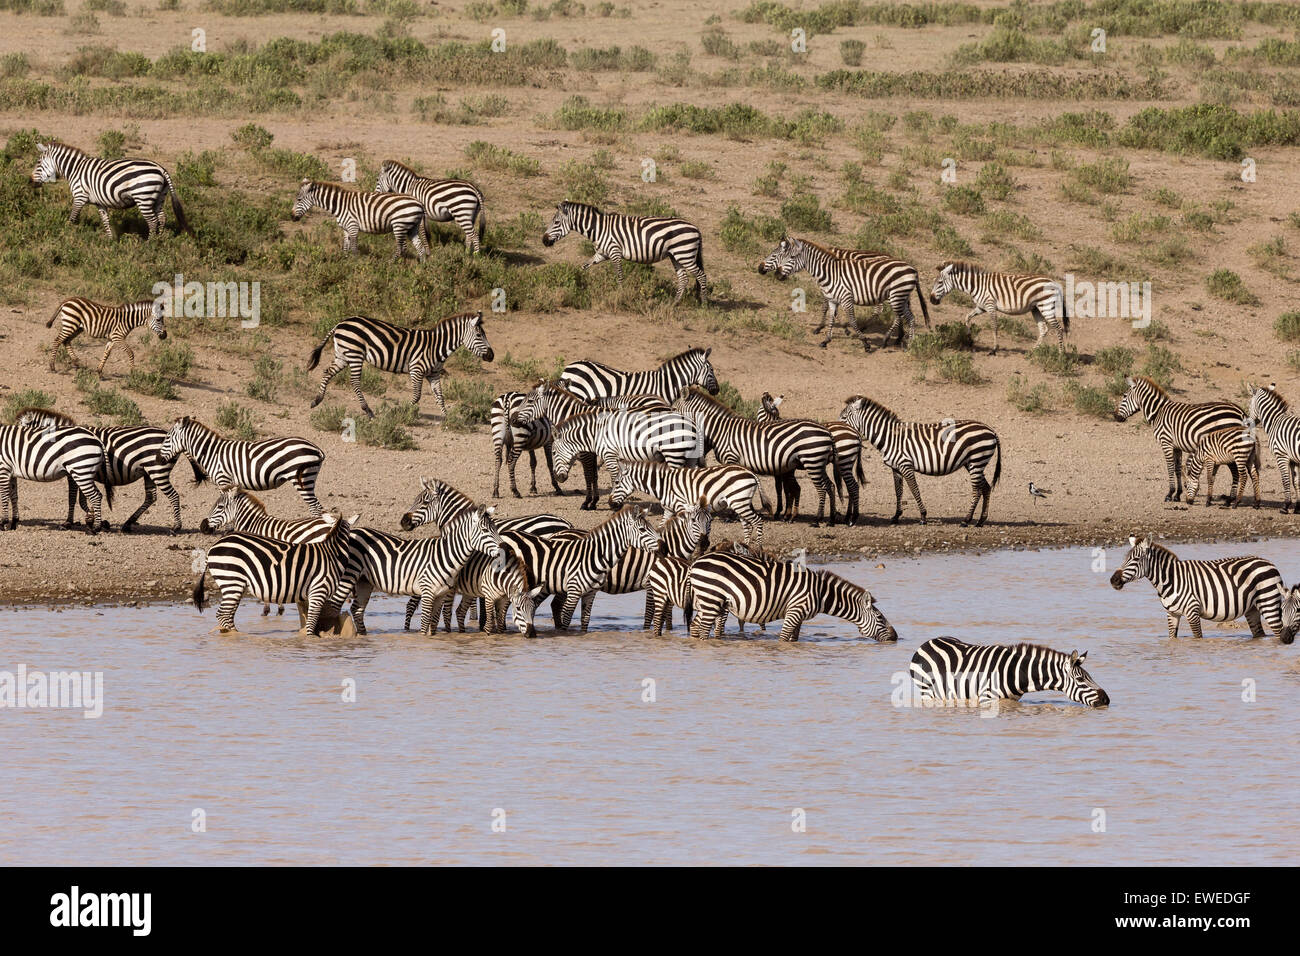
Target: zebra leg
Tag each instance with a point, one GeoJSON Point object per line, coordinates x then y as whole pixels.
{"type": "Point", "coordinates": [1172, 467]}
{"type": "Point", "coordinates": [588, 600]}
{"type": "Point", "coordinates": [791, 626]}
{"type": "Point", "coordinates": [466, 224]}
{"type": "Point", "coordinates": [824, 492]}
{"type": "Point", "coordinates": [1173, 625]}
{"type": "Point", "coordinates": [976, 495]}
{"type": "Point", "coordinates": [564, 617]}
{"type": "Point", "coordinates": [107, 223]}
{"type": "Point", "coordinates": [9, 497]}
{"type": "Point", "coordinates": [702, 283]}
{"type": "Point", "coordinates": [461, 610]}
{"type": "Point", "coordinates": [416, 377]}
{"type": "Point", "coordinates": [1212, 469]}
{"type": "Point", "coordinates": [421, 250]}
{"type": "Point", "coordinates": [411, 605]}
{"type": "Point", "coordinates": [78, 204]}
{"type": "Point", "coordinates": [330, 372]}
{"type": "Point", "coordinates": [229, 604]}
{"type": "Point", "coordinates": [909, 475]}
{"type": "Point", "coordinates": [1253, 619]}
{"type": "Point", "coordinates": [706, 615]}
{"type": "Point", "coordinates": [112, 344]}
{"type": "Point", "coordinates": [354, 375]}
{"type": "Point", "coordinates": [682, 279]}
{"type": "Point", "coordinates": [435, 386]}
{"type": "Point", "coordinates": [513, 461]}
{"type": "Point", "coordinates": [164, 483]}
{"type": "Point", "coordinates": [832, 308]}
{"type": "Point", "coordinates": [361, 592]}
{"type": "Point", "coordinates": [532, 466]}
{"type": "Point", "coordinates": [1254, 480]}
{"type": "Point", "coordinates": [898, 498]}
{"type": "Point", "coordinates": [550, 467]}
{"type": "Point", "coordinates": [428, 612]}
{"type": "Point", "coordinates": [443, 610]}
{"type": "Point", "coordinates": [1193, 616]}
{"type": "Point", "coordinates": [988, 493]}
{"type": "Point", "coordinates": [498, 452]}
{"type": "Point", "coordinates": [72, 504]}
{"type": "Point", "coordinates": [651, 603]}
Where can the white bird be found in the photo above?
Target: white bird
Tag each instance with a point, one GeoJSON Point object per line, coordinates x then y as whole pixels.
{"type": "Point", "coordinates": [1037, 492]}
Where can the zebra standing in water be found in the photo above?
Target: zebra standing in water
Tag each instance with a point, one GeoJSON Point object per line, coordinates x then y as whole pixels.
{"type": "Point", "coordinates": [715, 487]}
{"type": "Point", "coordinates": [444, 200]}
{"type": "Point", "coordinates": [849, 475]}
{"type": "Point", "coordinates": [949, 671]}
{"type": "Point", "coordinates": [1220, 590]}
{"type": "Point", "coordinates": [58, 449]}
{"type": "Point", "coordinates": [112, 322]}
{"type": "Point", "coordinates": [417, 353]}
{"type": "Point", "coordinates": [511, 438]}
{"type": "Point", "coordinates": [496, 583]}
{"type": "Point", "coordinates": [682, 536]}
{"type": "Point", "coordinates": [928, 448]}
{"type": "Point", "coordinates": [850, 277]}
{"type": "Point", "coordinates": [254, 465]}
{"type": "Point", "coordinates": [645, 239]}
{"type": "Point", "coordinates": [1283, 429]}
{"type": "Point", "coordinates": [1178, 426]}
{"type": "Point", "coordinates": [590, 381]}
{"type": "Point", "coordinates": [110, 184]}
{"type": "Point", "coordinates": [371, 213]}
{"type": "Point", "coordinates": [995, 292]}
{"type": "Point", "coordinates": [1234, 447]}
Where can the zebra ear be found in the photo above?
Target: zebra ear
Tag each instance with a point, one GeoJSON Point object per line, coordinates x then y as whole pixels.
{"type": "Point", "coordinates": [478, 319]}
{"type": "Point", "coordinates": [1272, 386]}
{"type": "Point", "coordinates": [1128, 380]}
{"type": "Point", "coordinates": [1082, 657]}
{"type": "Point", "coordinates": [708, 351]}
{"type": "Point", "coordinates": [426, 483]}
{"type": "Point", "coordinates": [43, 147]}
{"type": "Point", "coordinates": [1132, 541]}
{"type": "Point", "coordinates": [352, 522]}
{"type": "Point", "coordinates": [490, 510]}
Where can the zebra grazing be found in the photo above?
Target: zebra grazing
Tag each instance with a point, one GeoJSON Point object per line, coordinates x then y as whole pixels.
{"type": "Point", "coordinates": [444, 200]}
{"type": "Point", "coordinates": [851, 277]}
{"type": "Point", "coordinates": [1283, 429]}
{"type": "Point", "coordinates": [683, 535]}
{"type": "Point", "coordinates": [995, 292]}
{"type": "Point", "coordinates": [496, 583]}
{"type": "Point", "coordinates": [1178, 426]}
{"type": "Point", "coordinates": [253, 465]}
{"type": "Point", "coordinates": [760, 590]}
{"type": "Point", "coordinates": [276, 572]}
{"type": "Point", "coordinates": [715, 487]}
{"type": "Point", "coordinates": [635, 436]}
{"type": "Point", "coordinates": [771, 448]}
{"type": "Point", "coordinates": [590, 381]}
{"type": "Point", "coordinates": [909, 449]}
{"type": "Point", "coordinates": [645, 239]}
{"type": "Point", "coordinates": [510, 439]}
{"type": "Point", "coordinates": [1234, 447]}
{"type": "Point", "coordinates": [417, 353]}
{"type": "Point", "coordinates": [371, 213]}
{"type": "Point", "coordinates": [948, 671]}
{"type": "Point", "coordinates": [1220, 590]}
{"type": "Point", "coordinates": [112, 322]}
{"type": "Point", "coordinates": [849, 476]}
{"type": "Point", "coordinates": [110, 184]}
{"type": "Point", "coordinates": [57, 448]}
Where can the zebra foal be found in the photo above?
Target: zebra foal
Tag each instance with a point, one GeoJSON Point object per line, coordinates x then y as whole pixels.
{"type": "Point", "coordinates": [112, 322]}
{"type": "Point", "coordinates": [372, 213]}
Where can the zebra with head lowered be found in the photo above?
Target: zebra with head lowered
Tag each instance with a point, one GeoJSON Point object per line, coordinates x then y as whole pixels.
{"type": "Point", "coordinates": [682, 536]}
{"type": "Point", "coordinates": [112, 322]}
{"type": "Point", "coordinates": [253, 465]}
{"type": "Point", "coordinates": [57, 448]}
{"type": "Point", "coordinates": [948, 671]}
{"type": "Point", "coordinates": [417, 353]}
{"type": "Point", "coordinates": [715, 487]}
{"type": "Point", "coordinates": [1178, 426]}
{"type": "Point", "coordinates": [1283, 429]}
{"type": "Point", "coordinates": [110, 184]}
{"type": "Point", "coordinates": [1223, 589]}
{"type": "Point", "coordinates": [851, 277]}
{"type": "Point", "coordinates": [371, 213]}
{"type": "Point", "coordinates": [849, 475]}
{"type": "Point", "coordinates": [590, 381]}
{"type": "Point", "coordinates": [1004, 292]}
{"type": "Point", "coordinates": [909, 449]}
{"type": "Point", "coordinates": [444, 200]}
{"type": "Point", "coordinates": [759, 590]}
{"type": "Point", "coordinates": [645, 239]}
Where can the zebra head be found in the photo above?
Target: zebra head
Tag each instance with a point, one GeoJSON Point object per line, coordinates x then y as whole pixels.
{"type": "Point", "coordinates": [1290, 613]}
{"type": "Point", "coordinates": [945, 283]}
{"type": "Point", "coordinates": [47, 166]}
{"type": "Point", "coordinates": [224, 510]}
{"type": "Point", "coordinates": [157, 310]}
{"type": "Point", "coordinates": [690, 527]}
{"type": "Point", "coordinates": [386, 181]}
{"type": "Point", "coordinates": [561, 225]}
{"type": "Point", "coordinates": [868, 417]}
{"type": "Point", "coordinates": [1266, 404]}
{"type": "Point", "coordinates": [175, 442]}
{"type": "Point", "coordinates": [533, 407]}
{"type": "Point", "coordinates": [1143, 396]}
{"type": "Point", "coordinates": [785, 260]}
{"type": "Point", "coordinates": [849, 602]}
{"type": "Point", "coordinates": [569, 440]}
{"type": "Point", "coordinates": [704, 374]}
{"type": "Point", "coordinates": [474, 337]}
{"type": "Point", "coordinates": [306, 200]}
{"type": "Point", "coordinates": [634, 530]}
{"type": "Point", "coordinates": [484, 535]}
{"type": "Point", "coordinates": [1077, 683]}
{"type": "Point", "coordinates": [769, 407]}
{"type": "Point", "coordinates": [1137, 563]}
{"type": "Point", "coordinates": [428, 507]}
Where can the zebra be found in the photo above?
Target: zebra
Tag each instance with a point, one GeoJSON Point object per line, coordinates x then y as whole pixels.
{"type": "Point", "coordinates": [1234, 447]}
{"type": "Point", "coordinates": [1223, 589]}
{"type": "Point", "coordinates": [995, 292]}
{"type": "Point", "coordinates": [760, 590]}
{"type": "Point", "coordinates": [772, 448]}
{"type": "Point", "coordinates": [110, 184]}
{"type": "Point", "coordinates": [946, 670]}
{"type": "Point", "coordinates": [371, 213]}
{"type": "Point", "coordinates": [444, 200]}
{"type": "Point", "coordinates": [59, 448]}
{"type": "Point", "coordinates": [510, 439]}
{"type": "Point", "coordinates": [635, 436]}
{"type": "Point", "coordinates": [668, 584]}
{"type": "Point", "coordinates": [114, 323]}
{"type": "Point", "coordinates": [715, 487]}
{"type": "Point", "coordinates": [849, 476]}
{"type": "Point", "coordinates": [682, 535]}
{"type": "Point", "coordinates": [590, 381]}
{"type": "Point", "coordinates": [850, 277]}
{"type": "Point", "coordinates": [253, 465]}
{"type": "Point", "coordinates": [1178, 426]}
{"type": "Point", "coordinates": [909, 449]}
{"type": "Point", "coordinates": [645, 239]}
{"type": "Point", "coordinates": [132, 454]}
{"type": "Point", "coordinates": [1283, 429]}
{"type": "Point", "coordinates": [419, 353]}
{"type": "Point", "coordinates": [276, 572]}
{"type": "Point", "coordinates": [496, 583]}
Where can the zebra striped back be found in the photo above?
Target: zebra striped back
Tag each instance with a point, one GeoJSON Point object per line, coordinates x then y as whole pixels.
{"type": "Point", "coordinates": [444, 200]}
{"type": "Point", "coordinates": [59, 448]}
{"type": "Point", "coordinates": [592, 380]}
{"type": "Point", "coordinates": [951, 671]}
{"type": "Point", "coordinates": [1004, 292]}
{"type": "Point", "coordinates": [109, 184]}
{"type": "Point", "coordinates": [98, 321]}
{"type": "Point", "coordinates": [237, 510]}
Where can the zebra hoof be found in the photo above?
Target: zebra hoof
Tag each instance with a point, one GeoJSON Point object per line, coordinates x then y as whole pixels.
{"type": "Point", "coordinates": [824, 344]}
{"type": "Point", "coordinates": [515, 492]}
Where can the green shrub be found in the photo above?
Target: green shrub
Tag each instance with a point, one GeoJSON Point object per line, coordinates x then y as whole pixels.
{"type": "Point", "coordinates": [851, 52]}
{"type": "Point", "coordinates": [151, 383]}
{"type": "Point", "coordinates": [959, 369]}
{"type": "Point", "coordinates": [730, 396]}
{"type": "Point", "coordinates": [26, 398]}
{"type": "Point", "coordinates": [1116, 360]}
{"type": "Point", "coordinates": [1287, 327]}
{"type": "Point", "coordinates": [469, 404]}
{"type": "Point", "coordinates": [963, 200]}
{"type": "Point", "coordinates": [236, 421]}
{"type": "Point", "coordinates": [1056, 360]}
{"type": "Point", "coordinates": [805, 212]}
{"type": "Point", "coordinates": [1227, 285]}
{"type": "Point", "coordinates": [1031, 400]}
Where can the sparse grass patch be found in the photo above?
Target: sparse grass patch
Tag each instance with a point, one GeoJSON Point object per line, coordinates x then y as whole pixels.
{"type": "Point", "coordinates": [1227, 285]}
{"type": "Point", "coordinates": [1161, 365]}
{"type": "Point", "coordinates": [1287, 327]}
{"type": "Point", "coordinates": [1032, 400]}
{"type": "Point", "coordinates": [235, 421]}
{"type": "Point", "coordinates": [1056, 360]}
{"type": "Point", "coordinates": [469, 404]}
{"type": "Point", "coordinates": [26, 398]}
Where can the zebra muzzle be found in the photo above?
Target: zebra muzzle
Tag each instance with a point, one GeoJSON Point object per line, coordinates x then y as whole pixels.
{"type": "Point", "coordinates": [1117, 581]}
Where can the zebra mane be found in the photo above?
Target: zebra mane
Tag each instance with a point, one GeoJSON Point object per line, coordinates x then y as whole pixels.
{"type": "Point", "coordinates": [1282, 403]}
{"type": "Point", "coordinates": [399, 164]}
{"type": "Point", "coordinates": [191, 420]}
{"type": "Point", "coordinates": [681, 355]}
{"type": "Point", "coordinates": [555, 385]}
{"type": "Point", "coordinates": [871, 403]}
{"type": "Point", "coordinates": [255, 501]}
{"type": "Point", "coordinates": [570, 205]}
{"type": "Point", "coordinates": [1151, 383]}
{"type": "Point", "coordinates": [630, 506]}
{"type": "Point", "coordinates": [449, 320]}
{"type": "Point", "coordinates": [66, 421]}
{"type": "Point", "coordinates": [711, 399]}
{"type": "Point", "coordinates": [59, 144]}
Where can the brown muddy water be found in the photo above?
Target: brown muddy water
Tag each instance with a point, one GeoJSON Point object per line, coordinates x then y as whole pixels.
{"type": "Point", "coordinates": [552, 738]}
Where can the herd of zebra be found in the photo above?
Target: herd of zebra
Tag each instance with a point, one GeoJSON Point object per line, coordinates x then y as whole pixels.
{"type": "Point", "coordinates": [652, 431]}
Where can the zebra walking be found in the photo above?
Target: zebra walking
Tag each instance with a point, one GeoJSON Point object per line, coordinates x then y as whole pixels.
{"type": "Point", "coordinates": [371, 213]}
{"type": "Point", "coordinates": [58, 449]}
{"type": "Point", "coordinates": [510, 439]}
{"type": "Point", "coordinates": [444, 200]}
{"type": "Point", "coordinates": [417, 353]}
{"type": "Point", "coordinates": [647, 239]}
{"type": "Point", "coordinates": [590, 381]}
{"type": "Point", "coordinates": [112, 322]}
{"type": "Point", "coordinates": [717, 488]}
{"type": "Point", "coordinates": [1223, 589]}
{"type": "Point", "coordinates": [1234, 447]}
{"type": "Point", "coordinates": [946, 670]}
{"type": "Point", "coordinates": [849, 476]}
{"type": "Point", "coordinates": [253, 465]}
{"type": "Point", "coordinates": [995, 292]}
{"type": "Point", "coordinates": [909, 449]}
{"type": "Point", "coordinates": [1283, 429]}
{"type": "Point", "coordinates": [759, 590]}
{"type": "Point", "coordinates": [848, 278]}
{"type": "Point", "coordinates": [110, 184]}
{"type": "Point", "coordinates": [1178, 426]}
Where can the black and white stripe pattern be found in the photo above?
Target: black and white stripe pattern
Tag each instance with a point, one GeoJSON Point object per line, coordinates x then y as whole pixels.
{"type": "Point", "coordinates": [1270, 410]}
{"type": "Point", "coordinates": [1220, 590]}
{"type": "Point", "coordinates": [57, 448]}
{"type": "Point", "coordinates": [253, 465]}
{"type": "Point", "coordinates": [590, 381]}
{"type": "Point", "coordinates": [110, 184]}
{"type": "Point", "coordinates": [1009, 294]}
{"type": "Point", "coordinates": [112, 322]}
{"type": "Point", "coordinates": [1234, 447]}
{"type": "Point", "coordinates": [682, 535]}
{"type": "Point", "coordinates": [658, 435]}
{"type": "Point", "coordinates": [718, 488]}
{"type": "Point", "coordinates": [1178, 426]}
{"type": "Point", "coordinates": [948, 671]}
{"type": "Point", "coordinates": [851, 277]}
{"type": "Point", "coordinates": [511, 438]}
{"type": "Point", "coordinates": [635, 239]}
{"type": "Point", "coordinates": [372, 213]}
{"type": "Point", "coordinates": [849, 475]}
{"type": "Point", "coordinates": [444, 200]}
{"type": "Point", "coordinates": [417, 353]}
{"type": "Point", "coordinates": [909, 449]}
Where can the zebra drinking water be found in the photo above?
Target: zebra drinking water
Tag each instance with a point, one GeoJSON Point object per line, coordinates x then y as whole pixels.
{"type": "Point", "coordinates": [946, 670]}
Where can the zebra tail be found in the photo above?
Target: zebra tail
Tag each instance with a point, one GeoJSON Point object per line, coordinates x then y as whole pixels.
{"type": "Point", "coordinates": [314, 360]}
{"type": "Point", "coordinates": [765, 503]}
{"type": "Point", "coordinates": [1065, 315]}
{"type": "Point", "coordinates": [177, 211]}
{"type": "Point", "coordinates": [482, 221]}
{"type": "Point", "coordinates": [196, 595]}
{"type": "Point", "coordinates": [102, 476]}
{"type": "Point", "coordinates": [925, 309]}
{"type": "Point", "coordinates": [997, 471]}
{"type": "Point", "coordinates": [50, 322]}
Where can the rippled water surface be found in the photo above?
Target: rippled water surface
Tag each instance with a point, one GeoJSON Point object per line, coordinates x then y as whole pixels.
{"type": "Point", "coordinates": [444, 732]}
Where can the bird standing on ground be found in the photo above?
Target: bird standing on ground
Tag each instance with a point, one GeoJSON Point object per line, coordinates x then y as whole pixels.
{"type": "Point", "coordinates": [1036, 492]}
